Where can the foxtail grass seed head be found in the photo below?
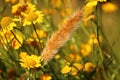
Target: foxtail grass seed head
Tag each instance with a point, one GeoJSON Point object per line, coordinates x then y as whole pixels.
{"type": "Point", "coordinates": [61, 36]}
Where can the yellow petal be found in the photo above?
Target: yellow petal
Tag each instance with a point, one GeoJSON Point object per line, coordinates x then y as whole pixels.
{"type": "Point", "coordinates": [91, 4]}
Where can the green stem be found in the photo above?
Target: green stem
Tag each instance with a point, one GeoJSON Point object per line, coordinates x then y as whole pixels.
{"type": "Point", "coordinates": [56, 78]}
{"type": "Point", "coordinates": [18, 40]}
{"type": "Point", "coordinates": [99, 28]}
{"type": "Point", "coordinates": [37, 36]}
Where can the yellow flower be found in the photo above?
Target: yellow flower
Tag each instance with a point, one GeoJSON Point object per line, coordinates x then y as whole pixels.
{"type": "Point", "coordinates": [23, 54]}
{"type": "Point", "coordinates": [57, 56]}
{"type": "Point", "coordinates": [109, 7]}
{"type": "Point", "coordinates": [93, 3]}
{"type": "Point", "coordinates": [87, 12]}
{"type": "Point", "coordinates": [89, 67]}
{"type": "Point", "coordinates": [7, 24]}
{"type": "Point", "coordinates": [56, 3]}
{"type": "Point", "coordinates": [17, 44]}
{"type": "Point", "coordinates": [78, 66]}
{"type": "Point", "coordinates": [49, 11]}
{"type": "Point", "coordinates": [6, 38]}
{"type": "Point", "coordinates": [41, 34]}
{"type": "Point", "coordinates": [66, 12]}
{"type": "Point", "coordinates": [32, 61]}
{"type": "Point", "coordinates": [7, 0]}
{"type": "Point", "coordinates": [31, 42]}
{"type": "Point", "coordinates": [85, 49]}
{"type": "Point", "coordinates": [45, 77]}
{"type": "Point", "coordinates": [20, 9]}
{"type": "Point", "coordinates": [74, 57]}
{"type": "Point", "coordinates": [93, 39]}
{"type": "Point", "coordinates": [72, 47]}
{"type": "Point", "coordinates": [33, 17]}
{"type": "Point", "coordinates": [66, 69]}
{"type": "Point", "coordinates": [74, 71]}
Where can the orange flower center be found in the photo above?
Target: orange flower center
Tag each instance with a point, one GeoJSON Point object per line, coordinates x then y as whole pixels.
{"type": "Point", "coordinates": [30, 62]}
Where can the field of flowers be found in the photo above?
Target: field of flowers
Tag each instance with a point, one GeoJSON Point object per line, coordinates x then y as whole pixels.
{"type": "Point", "coordinates": [59, 40]}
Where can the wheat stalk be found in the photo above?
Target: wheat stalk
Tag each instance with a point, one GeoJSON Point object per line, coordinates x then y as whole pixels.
{"type": "Point", "coordinates": [61, 36]}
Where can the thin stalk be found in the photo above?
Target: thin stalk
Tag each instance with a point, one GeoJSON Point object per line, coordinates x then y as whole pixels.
{"type": "Point", "coordinates": [99, 28]}
{"type": "Point", "coordinates": [18, 40]}
{"type": "Point", "coordinates": [37, 36]}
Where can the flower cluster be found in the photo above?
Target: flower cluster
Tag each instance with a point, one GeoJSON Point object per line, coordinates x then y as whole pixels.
{"type": "Point", "coordinates": [37, 42]}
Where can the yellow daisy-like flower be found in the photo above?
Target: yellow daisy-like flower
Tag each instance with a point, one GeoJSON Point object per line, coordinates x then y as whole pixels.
{"type": "Point", "coordinates": [17, 44]}
{"type": "Point", "coordinates": [32, 61]}
{"type": "Point", "coordinates": [20, 9]}
{"type": "Point", "coordinates": [33, 17]}
{"type": "Point", "coordinates": [66, 69]}
{"type": "Point", "coordinates": [7, 24]}
{"type": "Point", "coordinates": [88, 67]}
{"type": "Point", "coordinates": [45, 77]}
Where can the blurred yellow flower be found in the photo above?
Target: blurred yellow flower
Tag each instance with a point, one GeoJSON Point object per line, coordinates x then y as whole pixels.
{"type": "Point", "coordinates": [76, 67]}
{"type": "Point", "coordinates": [45, 77]}
{"type": "Point", "coordinates": [85, 49]}
{"type": "Point", "coordinates": [49, 11]}
{"type": "Point", "coordinates": [66, 69]}
{"type": "Point", "coordinates": [57, 56]}
{"type": "Point", "coordinates": [32, 61]}
{"type": "Point", "coordinates": [20, 9]}
{"type": "Point", "coordinates": [32, 43]}
{"type": "Point", "coordinates": [11, 1]}
{"type": "Point", "coordinates": [41, 33]}
{"type": "Point", "coordinates": [87, 12]}
{"type": "Point", "coordinates": [33, 17]}
{"type": "Point", "coordinates": [88, 67]}
{"type": "Point", "coordinates": [109, 7]}
{"type": "Point", "coordinates": [74, 57]}
{"type": "Point", "coordinates": [72, 47]}
{"type": "Point", "coordinates": [23, 54]}
{"type": "Point", "coordinates": [87, 18]}
{"type": "Point", "coordinates": [66, 12]}
{"type": "Point", "coordinates": [6, 38]}
{"type": "Point", "coordinates": [93, 39]}
{"type": "Point", "coordinates": [17, 44]}
{"type": "Point", "coordinates": [7, 0]}
{"type": "Point", "coordinates": [7, 24]}
{"type": "Point", "coordinates": [93, 3]}
{"type": "Point", "coordinates": [56, 3]}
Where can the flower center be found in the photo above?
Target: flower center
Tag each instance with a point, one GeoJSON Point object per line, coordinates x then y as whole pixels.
{"type": "Point", "coordinates": [6, 21]}
{"type": "Point", "coordinates": [32, 16]}
{"type": "Point", "coordinates": [30, 62]}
